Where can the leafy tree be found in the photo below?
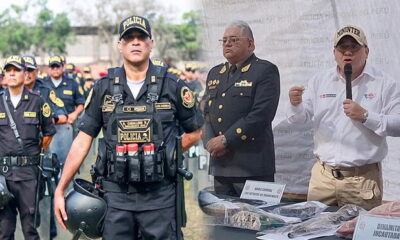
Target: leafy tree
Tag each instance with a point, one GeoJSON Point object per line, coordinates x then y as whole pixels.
{"type": "Point", "coordinates": [187, 35]}
{"type": "Point", "coordinates": [49, 33]}
{"type": "Point", "coordinates": [14, 34]}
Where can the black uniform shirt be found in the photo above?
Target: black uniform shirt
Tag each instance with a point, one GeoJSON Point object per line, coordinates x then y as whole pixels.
{"type": "Point", "coordinates": [50, 96]}
{"type": "Point", "coordinates": [32, 116]}
{"type": "Point", "coordinates": [177, 110]}
{"type": "Point", "coordinates": [70, 92]}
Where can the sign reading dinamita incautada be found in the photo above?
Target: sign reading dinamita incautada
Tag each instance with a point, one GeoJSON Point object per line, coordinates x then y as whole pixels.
{"type": "Point", "coordinates": [377, 228]}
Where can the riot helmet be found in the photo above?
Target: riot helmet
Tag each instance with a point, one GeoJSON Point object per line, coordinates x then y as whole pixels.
{"type": "Point", "coordinates": [85, 210]}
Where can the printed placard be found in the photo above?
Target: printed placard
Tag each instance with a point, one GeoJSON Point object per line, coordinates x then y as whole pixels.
{"type": "Point", "coordinates": [377, 228]}
{"type": "Point", "coordinates": [265, 191]}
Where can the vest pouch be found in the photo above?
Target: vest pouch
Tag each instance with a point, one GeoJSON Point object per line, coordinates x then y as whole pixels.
{"type": "Point", "coordinates": [120, 169]}
{"type": "Point", "coordinates": [99, 169]}
{"type": "Point", "coordinates": [160, 162]}
{"type": "Point", "coordinates": [152, 164]}
{"type": "Point", "coordinates": [135, 168]}
{"type": "Point", "coordinates": [117, 168]}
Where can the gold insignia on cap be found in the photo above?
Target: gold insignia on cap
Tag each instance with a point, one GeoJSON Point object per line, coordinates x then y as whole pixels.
{"type": "Point", "coordinates": [244, 137]}
{"type": "Point", "coordinates": [46, 110]}
{"type": "Point", "coordinates": [55, 59]}
{"type": "Point", "coordinates": [246, 68]}
{"type": "Point", "coordinates": [223, 69]}
{"type": "Point", "coordinates": [29, 60]}
{"type": "Point", "coordinates": [238, 130]}
{"type": "Point", "coordinates": [14, 59]}
{"type": "Point", "coordinates": [188, 100]}
{"type": "Point", "coordinates": [134, 20]}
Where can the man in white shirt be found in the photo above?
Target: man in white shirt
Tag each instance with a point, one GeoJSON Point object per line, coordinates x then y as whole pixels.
{"type": "Point", "coordinates": [350, 135]}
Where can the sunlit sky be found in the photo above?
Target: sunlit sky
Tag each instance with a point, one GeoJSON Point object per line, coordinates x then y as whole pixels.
{"type": "Point", "coordinates": [58, 6]}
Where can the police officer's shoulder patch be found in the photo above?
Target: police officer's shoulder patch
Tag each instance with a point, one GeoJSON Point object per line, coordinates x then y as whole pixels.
{"type": "Point", "coordinates": [188, 100]}
{"type": "Point", "coordinates": [46, 110]}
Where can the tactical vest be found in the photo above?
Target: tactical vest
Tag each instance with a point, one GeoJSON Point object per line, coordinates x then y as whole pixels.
{"type": "Point", "coordinates": [134, 125]}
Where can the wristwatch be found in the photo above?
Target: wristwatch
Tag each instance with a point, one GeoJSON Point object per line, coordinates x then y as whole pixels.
{"type": "Point", "coordinates": [365, 116]}
{"type": "Point", "coordinates": [223, 140]}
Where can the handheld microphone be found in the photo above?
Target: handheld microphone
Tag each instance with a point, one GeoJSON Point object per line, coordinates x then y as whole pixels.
{"type": "Point", "coordinates": [348, 70]}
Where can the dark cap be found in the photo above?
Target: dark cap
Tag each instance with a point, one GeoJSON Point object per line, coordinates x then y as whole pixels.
{"type": "Point", "coordinates": [55, 60]}
{"type": "Point", "coordinates": [16, 61]}
{"type": "Point", "coordinates": [134, 22]}
{"type": "Point", "coordinates": [70, 67]}
{"type": "Point", "coordinates": [86, 70]}
{"type": "Point", "coordinates": [63, 59]}
{"type": "Point", "coordinates": [30, 62]}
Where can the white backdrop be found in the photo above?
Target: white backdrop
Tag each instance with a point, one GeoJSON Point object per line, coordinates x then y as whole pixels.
{"type": "Point", "coordinates": [297, 35]}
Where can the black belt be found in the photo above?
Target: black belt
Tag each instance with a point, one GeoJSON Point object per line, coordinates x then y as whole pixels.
{"type": "Point", "coordinates": [19, 161]}
{"type": "Point", "coordinates": [109, 186]}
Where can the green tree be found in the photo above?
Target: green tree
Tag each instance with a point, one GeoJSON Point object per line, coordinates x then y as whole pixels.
{"type": "Point", "coordinates": [14, 34]}
{"type": "Point", "coordinates": [49, 33]}
{"type": "Point", "coordinates": [187, 36]}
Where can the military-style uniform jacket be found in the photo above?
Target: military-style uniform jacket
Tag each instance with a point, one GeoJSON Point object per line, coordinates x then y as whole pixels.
{"type": "Point", "coordinates": [32, 116]}
{"type": "Point", "coordinates": [241, 106]}
{"type": "Point", "coordinates": [69, 91]}
{"type": "Point", "coordinates": [177, 110]}
{"type": "Point", "coordinates": [50, 96]}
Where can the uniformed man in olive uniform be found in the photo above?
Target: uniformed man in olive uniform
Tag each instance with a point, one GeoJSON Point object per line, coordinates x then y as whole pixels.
{"type": "Point", "coordinates": [138, 103]}
{"type": "Point", "coordinates": [71, 96]}
{"type": "Point", "coordinates": [19, 157]}
{"type": "Point", "coordinates": [241, 99]}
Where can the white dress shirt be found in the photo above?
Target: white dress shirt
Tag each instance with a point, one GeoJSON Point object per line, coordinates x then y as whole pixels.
{"type": "Point", "coordinates": [339, 140]}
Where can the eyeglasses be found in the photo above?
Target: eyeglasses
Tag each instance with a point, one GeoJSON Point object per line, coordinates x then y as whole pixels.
{"type": "Point", "coordinates": [232, 40]}
{"type": "Point", "coordinates": [30, 70]}
{"type": "Point", "coordinates": [349, 47]}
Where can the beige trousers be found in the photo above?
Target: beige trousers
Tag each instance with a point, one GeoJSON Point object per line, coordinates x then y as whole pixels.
{"type": "Point", "coordinates": [362, 186]}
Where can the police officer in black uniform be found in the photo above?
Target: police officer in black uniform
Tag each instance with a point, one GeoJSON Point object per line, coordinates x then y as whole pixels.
{"type": "Point", "coordinates": [71, 97]}
{"type": "Point", "coordinates": [33, 83]}
{"type": "Point", "coordinates": [241, 99]}
{"type": "Point", "coordinates": [139, 103]}
{"type": "Point", "coordinates": [19, 157]}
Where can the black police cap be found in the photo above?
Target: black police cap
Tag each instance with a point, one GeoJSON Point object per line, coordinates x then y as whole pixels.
{"type": "Point", "coordinates": [134, 22]}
